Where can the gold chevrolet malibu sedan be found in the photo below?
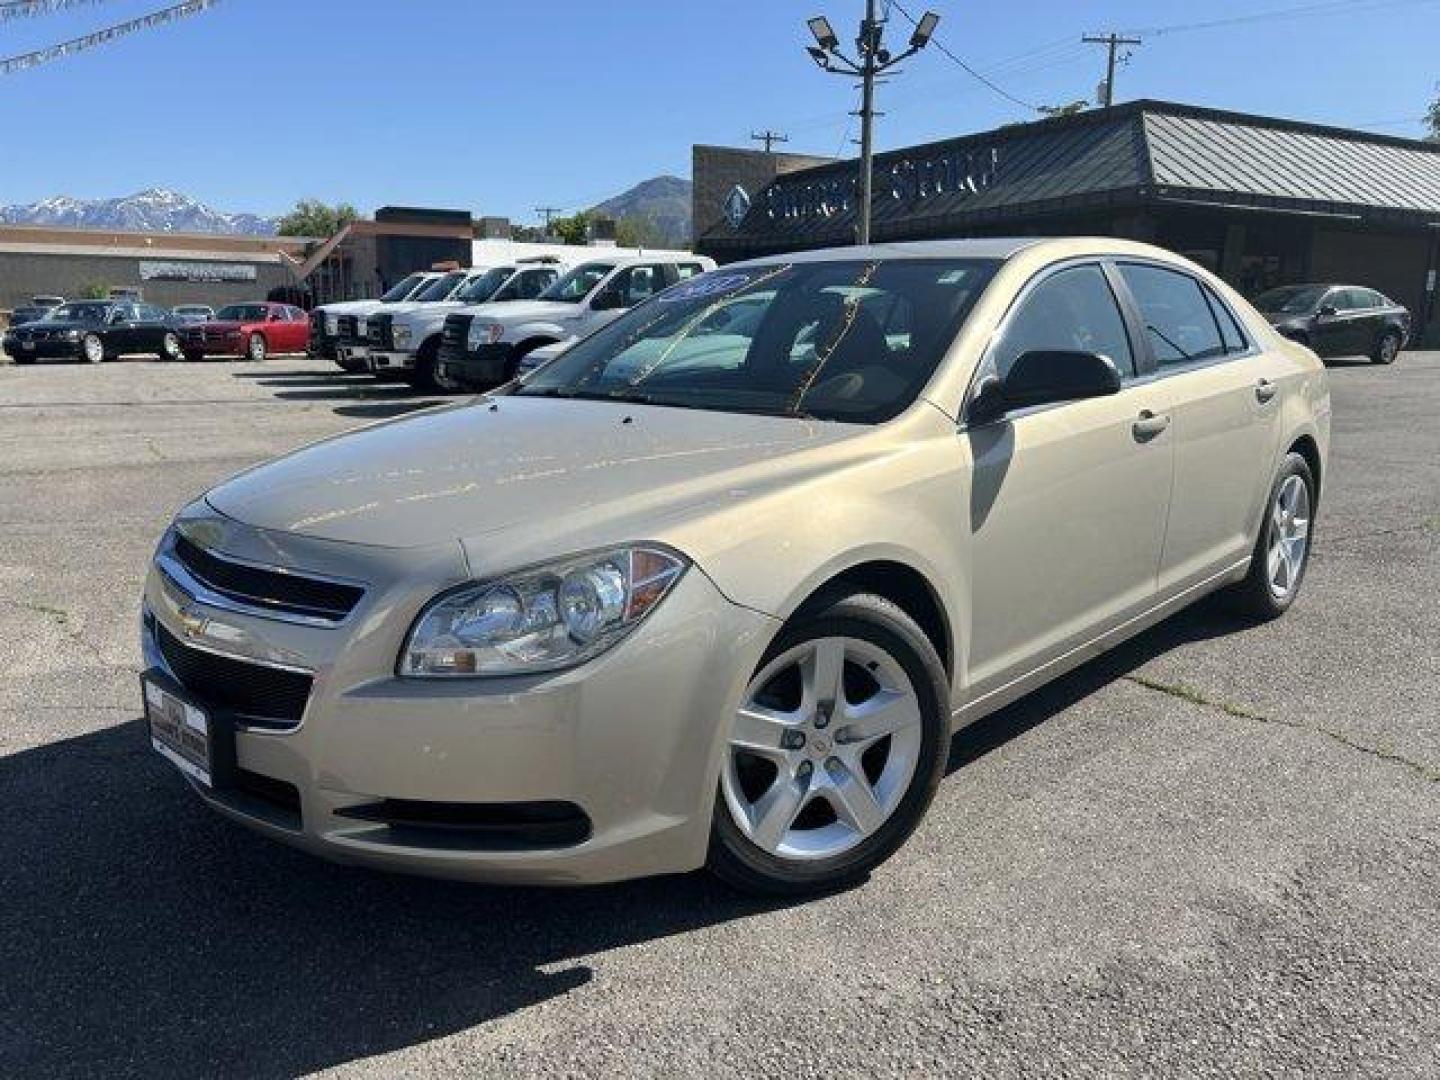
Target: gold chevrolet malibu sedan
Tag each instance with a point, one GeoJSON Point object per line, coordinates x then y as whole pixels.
{"type": "Point", "coordinates": [716, 585]}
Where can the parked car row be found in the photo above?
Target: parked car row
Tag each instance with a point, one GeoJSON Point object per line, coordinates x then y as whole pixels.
{"type": "Point", "coordinates": [1338, 320]}
{"type": "Point", "coordinates": [474, 328]}
{"type": "Point", "coordinates": [96, 330]}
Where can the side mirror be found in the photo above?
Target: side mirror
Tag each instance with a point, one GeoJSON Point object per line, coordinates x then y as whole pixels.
{"type": "Point", "coordinates": [609, 300]}
{"type": "Point", "coordinates": [1044, 377]}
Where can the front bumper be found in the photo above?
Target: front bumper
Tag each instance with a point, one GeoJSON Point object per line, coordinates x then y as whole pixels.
{"type": "Point", "coordinates": [481, 368]}
{"type": "Point", "coordinates": [381, 361]}
{"type": "Point", "coordinates": [632, 740]}
{"type": "Point", "coordinates": [42, 350]}
{"type": "Point", "coordinates": [352, 357]}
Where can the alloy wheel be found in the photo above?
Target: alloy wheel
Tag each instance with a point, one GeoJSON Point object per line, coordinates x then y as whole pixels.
{"type": "Point", "coordinates": [94, 349]}
{"type": "Point", "coordinates": [170, 346]}
{"type": "Point", "coordinates": [1289, 536]}
{"type": "Point", "coordinates": [823, 749]}
{"type": "Point", "coordinates": [1389, 348]}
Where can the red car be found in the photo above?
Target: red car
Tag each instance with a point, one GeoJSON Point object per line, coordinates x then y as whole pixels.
{"type": "Point", "coordinates": [251, 331]}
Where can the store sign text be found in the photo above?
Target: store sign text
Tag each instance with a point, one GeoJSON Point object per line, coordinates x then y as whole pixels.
{"type": "Point", "coordinates": [199, 272]}
{"type": "Point", "coordinates": [911, 180]}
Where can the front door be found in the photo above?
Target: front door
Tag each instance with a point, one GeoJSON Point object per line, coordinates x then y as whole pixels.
{"type": "Point", "coordinates": [1226, 397]}
{"type": "Point", "coordinates": [1067, 504]}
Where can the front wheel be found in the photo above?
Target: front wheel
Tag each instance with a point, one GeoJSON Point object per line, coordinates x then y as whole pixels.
{"type": "Point", "coordinates": [1282, 550]}
{"type": "Point", "coordinates": [427, 375]}
{"type": "Point", "coordinates": [255, 349]}
{"type": "Point", "coordinates": [1387, 348]}
{"type": "Point", "coordinates": [92, 349]}
{"type": "Point", "coordinates": [835, 752]}
{"type": "Point", "coordinates": [170, 347]}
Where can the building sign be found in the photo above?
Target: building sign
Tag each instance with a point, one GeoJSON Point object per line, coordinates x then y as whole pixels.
{"type": "Point", "coordinates": [207, 273]}
{"type": "Point", "coordinates": [911, 179]}
{"type": "Point", "coordinates": [737, 205]}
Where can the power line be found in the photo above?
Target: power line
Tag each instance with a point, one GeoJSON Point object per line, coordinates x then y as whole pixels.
{"type": "Point", "coordinates": [966, 67]}
{"type": "Point", "coordinates": [1312, 10]}
{"type": "Point", "coordinates": [24, 9]}
{"type": "Point", "coordinates": [24, 61]}
{"type": "Point", "coordinates": [549, 213]}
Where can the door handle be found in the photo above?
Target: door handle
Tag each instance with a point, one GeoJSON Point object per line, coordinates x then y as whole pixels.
{"type": "Point", "coordinates": [1149, 425]}
{"type": "Point", "coordinates": [1265, 390]}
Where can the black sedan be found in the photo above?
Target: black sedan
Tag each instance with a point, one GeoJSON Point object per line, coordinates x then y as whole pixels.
{"type": "Point", "coordinates": [96, 330]}
{"type": "Point", "coordinates": [1338, 320]}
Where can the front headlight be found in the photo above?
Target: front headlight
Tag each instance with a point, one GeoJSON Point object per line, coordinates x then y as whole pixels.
{"type": "Point", "coordinates": [401, 333]}
{"type": "Point", "coordinates": [332, 324]}
{"type": "Point", "coordinates": [483, 333]}
{"type": "Point", "coordinates": [543, 619]}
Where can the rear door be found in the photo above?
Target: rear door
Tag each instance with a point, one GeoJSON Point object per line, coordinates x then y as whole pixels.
{"type": "Point", "coordinates": [1226, 401]}
{"type": "Point", "coordinates": [1068, 502]}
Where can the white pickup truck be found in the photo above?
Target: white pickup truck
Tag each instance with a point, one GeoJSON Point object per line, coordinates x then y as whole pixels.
{"type": "Point", "coordinates": [483, 345]}
{"type": "Point", "coordinates": [405, 339]}
{"type": "Point", "coordinates": [333, 326]}
{"type": "Point", "coordinates": [354, 352]}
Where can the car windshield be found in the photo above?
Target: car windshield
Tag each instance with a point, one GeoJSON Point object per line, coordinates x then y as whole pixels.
{"type": "Point", "coordinates": [1290, 300]}
{"type": "Point", "coordinates": [403, 288]}
{"type": "Point", "coordinates": [93, 312]}
{"type": "Point", "coordinates": [853, 340]}
{"type": "Point", "coordinates": [483, 287]}
{"type": "Point", "coordinates": [441, 287]}
{"type": "Point", "coordinates": [576, 285]}
{"type": "Point", "coordinates": [243, 313]}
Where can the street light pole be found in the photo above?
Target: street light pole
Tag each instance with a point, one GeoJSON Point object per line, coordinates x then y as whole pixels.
{"type": "Point", "coordinates": [869, 38]}
{"type": "Point", "coordinates": [874, 60]}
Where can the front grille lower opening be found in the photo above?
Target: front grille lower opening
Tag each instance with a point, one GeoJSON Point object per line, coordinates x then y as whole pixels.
{"type": "Point", "coordinates": [477, 826]}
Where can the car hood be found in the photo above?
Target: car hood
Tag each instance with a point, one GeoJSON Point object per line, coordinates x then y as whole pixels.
{"type": "Point", "coordinates": [549, 467]}
{"type": "Point", "coordinates": [62, 324]}
{"type": "Point", "coordinates": [523, 311]}
{"type": "Point", "coordinates": [348, 307]}
{"type": "Point", "coordinates": [223, 325]}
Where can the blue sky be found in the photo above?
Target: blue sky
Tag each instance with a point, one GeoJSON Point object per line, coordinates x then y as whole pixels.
{"type": "Point", "coordinates": [499, 106]}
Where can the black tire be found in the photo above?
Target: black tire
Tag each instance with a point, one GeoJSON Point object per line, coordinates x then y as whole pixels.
{"type": "Point", "coordinates": [1252, 597]}
{"type": "Point", "coordinates": [739, 862]}
{"type": "Point", "coordinates": [1387, 348]}
{"type": "Point", "coordinates": [426, 375]}
{"type": "Point", "coordinates": [522, 350]}
{"type": "Point", "coordinates": [93, 354]}
{"type": "Point", "coordinates": [170, 346]}
{"type": "Point", "coordinates": [256, 348]}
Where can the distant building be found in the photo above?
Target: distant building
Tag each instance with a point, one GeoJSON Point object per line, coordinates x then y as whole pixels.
{"type": "Point", "coordinates": [1258, 200]}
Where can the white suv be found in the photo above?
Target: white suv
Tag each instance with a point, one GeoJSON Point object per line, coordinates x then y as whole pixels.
{"type": "Point", "coordinates": [405, 340]}
{"type": "Point", "coordinates": [483, 345]}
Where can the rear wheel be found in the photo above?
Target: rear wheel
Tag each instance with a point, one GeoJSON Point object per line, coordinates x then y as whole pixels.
{"type": "Point", "coordinates": [1282, 550]}
{"type": "Point", "coordinates": [255, 348]}
{"type": "Point", "coordinates": [1387, 348]}
{"type": "Point", "coordinates": [92, 349]}
{"type": "Point", "coordinates": [835, 752]}
{"type": "Point", "coordinates": [170, 346]}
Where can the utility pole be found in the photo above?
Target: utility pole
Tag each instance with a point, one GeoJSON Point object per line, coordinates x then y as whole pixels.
{"type": "Point", "coordinates": [549, 213]}
{"type": "Point", "coordinates": [1111, 41]}
{"type": "Point", "coordinates": [874, 60]}
{"type": "Point", "coordinates": [769, 138]}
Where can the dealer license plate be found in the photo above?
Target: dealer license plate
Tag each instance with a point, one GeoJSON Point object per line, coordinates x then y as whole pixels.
{"type": "Point", "coordinates": [179, 731]}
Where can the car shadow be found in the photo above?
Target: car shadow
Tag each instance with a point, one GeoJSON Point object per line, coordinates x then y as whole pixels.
{"type": "Point", "coordinates": [357, 396]}
{"type": "Point", "coordinates": [144, 935]}
{"type": "Point", "coordinates": [1202, 621]}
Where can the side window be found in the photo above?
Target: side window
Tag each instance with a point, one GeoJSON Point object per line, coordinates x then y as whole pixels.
{"type": "Point", "coordinates": [533, 282]}
{"type": "Point", "coordinates": [1072, 310]}
{"type": "Point", "coordinates": [640, 283]}
{"type": "Point", "coordinates": [1230, 332]}
{"type": "Point", "coordinates": [686, 270]}
{"type": "Point", "coordinates": [1178, 320]}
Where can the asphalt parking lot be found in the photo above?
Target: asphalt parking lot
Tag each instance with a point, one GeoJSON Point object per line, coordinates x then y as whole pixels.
{"type": "Point", "coordinates": [1214, 852]}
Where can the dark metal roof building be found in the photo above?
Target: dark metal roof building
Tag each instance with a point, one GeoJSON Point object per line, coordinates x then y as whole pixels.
{"type": "Point", "coordinates": [1261, 201]}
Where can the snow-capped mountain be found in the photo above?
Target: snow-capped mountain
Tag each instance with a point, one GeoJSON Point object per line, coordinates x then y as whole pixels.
{"type": "Point", "coordinates": [155, 210]}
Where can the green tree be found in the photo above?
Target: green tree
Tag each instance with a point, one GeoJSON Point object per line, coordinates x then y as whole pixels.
{"type": "Point", "coordinates": [1432, 119]}
{"type": "Point", "coordinates": [1069, 109]}
{"type": "Point", "coordinates": [94, 290]}
{"type": "Point", "coordinates": [574, 229]}
{"type": "Point", "coordinates": [640, 231]}
{"type": "Point", "coordinates": [311, 217]}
